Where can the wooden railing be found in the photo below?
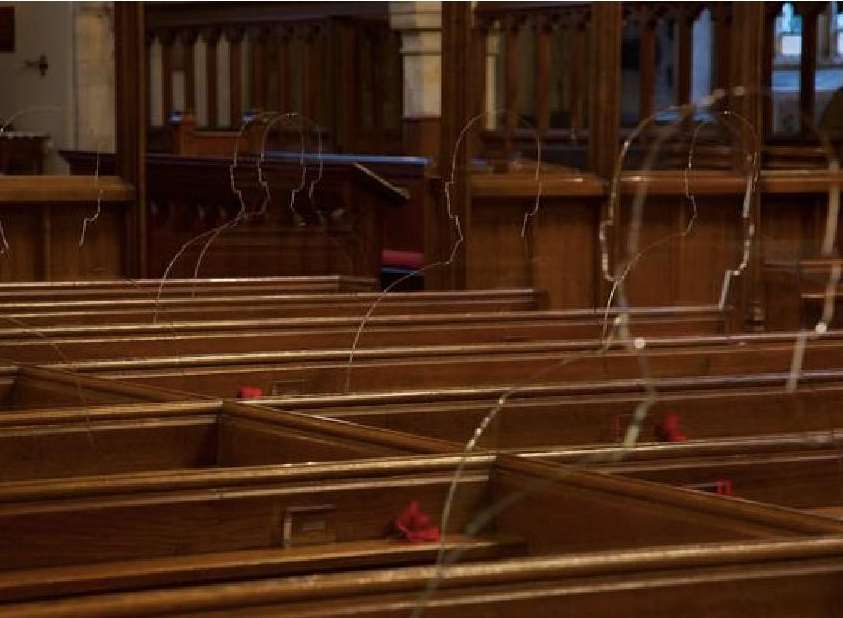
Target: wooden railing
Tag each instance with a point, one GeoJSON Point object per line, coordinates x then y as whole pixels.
{"type": "Point", "coordinates": [358, 206]}
{"type": "Point", "coordinates": [342, 69]}
{"type": "Point", "coordinates": [537, 60]}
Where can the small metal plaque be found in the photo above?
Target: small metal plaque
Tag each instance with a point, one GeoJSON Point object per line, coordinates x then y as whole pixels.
{"type": "Point", "coordinates": [7, 29]}
{"type": "Point", "coordinates": [309, 525]}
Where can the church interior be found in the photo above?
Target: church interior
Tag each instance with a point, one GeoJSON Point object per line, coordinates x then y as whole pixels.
{"type": "Point", "coordinates": [290, 293]}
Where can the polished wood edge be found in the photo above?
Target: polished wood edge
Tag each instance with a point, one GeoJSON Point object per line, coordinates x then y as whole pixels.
{"type": "Point", "coordinates": [555, 185]}
{"type": "Point", "coordinates": [58, 189]}
{"type": "Point", "coordinates": [745, 559]}
{"type": "Point", "coordinates": [437, 467]}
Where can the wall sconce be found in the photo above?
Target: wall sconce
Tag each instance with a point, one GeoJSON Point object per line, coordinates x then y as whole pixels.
{"type": "Point", "coordinates": [40, 64]}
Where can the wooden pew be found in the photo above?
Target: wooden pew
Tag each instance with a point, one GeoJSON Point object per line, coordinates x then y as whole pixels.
{"type": "Point", "coordinates": [549, 417]}
{"type": "Point", "coordinates": [111, 439]}
{"type": "Point", "coordinates": [796, 292]}
{"type": "Point", "coordinates": [800, 470]}
{"type": "Point", "coordinates": [148, 288]}
{"type": "Point", "coordinates": [674, 541]}
{"type": "Point", "coordinates": [262, 306]}
{"type": "Point", "coordinates": [383, 369]}
{"type": "Point", "coordinates": [32, 387]}
{"type": "Point", "coordinates": [274, 334]}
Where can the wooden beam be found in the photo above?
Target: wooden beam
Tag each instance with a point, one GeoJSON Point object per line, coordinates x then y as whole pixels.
{"type": "Point", "coordinates": [457, 91]}
{"type": "Point", "coordinates": [605, 84]}
{"type": "Point", "coordinates": [130, 104]}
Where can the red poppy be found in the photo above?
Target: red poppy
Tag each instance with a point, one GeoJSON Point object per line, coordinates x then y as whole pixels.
{"type": "Point", "coordinates": [669, 430]}
{"type": "Point", "coordinates": [415, 525]}
{"type": "Point", "coordinates": [249, 392]}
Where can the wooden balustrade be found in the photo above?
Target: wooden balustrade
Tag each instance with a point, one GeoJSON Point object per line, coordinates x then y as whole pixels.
{"type": "Point", "coordinates": [190, 195]}
{"type": "Point", "coordinates": [339, 66]}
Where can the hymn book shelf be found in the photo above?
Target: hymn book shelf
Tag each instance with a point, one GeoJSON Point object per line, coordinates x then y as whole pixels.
{"type": "Point", "coordinates": [379, 369]}
{"type": "Point", "coordinates": [593, 413]}
{"type": "Point", "coordinates": [277, 334]}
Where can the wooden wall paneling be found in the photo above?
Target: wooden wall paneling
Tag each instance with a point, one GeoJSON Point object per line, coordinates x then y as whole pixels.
{"type": "Point", "coordinates": [543, 75]}
{"type": "Point", "coordinates": [747, 58]}
{"type": "Point", "coordinates": [345, 99]}
{"type": "Point", "coordinates": [497, 255]}
{"type": "Point", "coordinates": [131, 117]}
{"type": "Point", "coordinates": [457, 95]}
{"type": "Point", "coordinates": [604, 104]}
{"type": "Point", "coordinates": [578, 71]}
{"type": "Point", "coordinates": [24, 260]}
{"type": "Point", "coordinates": [211, 36]}
{"type": "Point", "coordinates": [235, 64]}
{"type": "Point", "coordinates": [103, 254]}
{"type": "Point", "coordinates": [285, 82]}
{"type": "Point", "coordinates": [654, 277]}
{"type": "Point", "coordinates": [258, 46]}
{"type": "Point", "coordinates": [714, 245]}
{"type": "Point", "coordinates": [47, 239]}
{"type": "Point", "coordinates": [167, 40]}
{"type": "Point", "coordinates": [565, 244]}
{"type": "Point", "coordinates": [188, 40]}
{"type": "Point", "coordinates": [376, 39]}
{"type": "Point", "coordinates": [605, 87]}
{"type": "Point", "coordinates": [309, 67]}
{"type": "Point", "coordinates": [512, 61]}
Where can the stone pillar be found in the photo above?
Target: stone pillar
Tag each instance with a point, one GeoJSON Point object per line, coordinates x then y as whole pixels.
{"type": "Point", "coordinates": [420, 24]}
{"type": "Point", "coordinates": [94, 87]}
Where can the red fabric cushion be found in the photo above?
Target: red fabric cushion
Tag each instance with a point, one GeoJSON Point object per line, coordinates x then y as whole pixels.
{"type": "Point", "coordinates": [404, 259]}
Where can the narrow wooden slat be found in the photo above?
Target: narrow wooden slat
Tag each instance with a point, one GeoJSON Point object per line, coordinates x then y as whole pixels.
{"type": "Point", "coordinates": [378, 90]}
{"type": "Point", "coordinates": [512, 70]}
{"type": "Point", "coordinates": [235, 40]}
{"type": "Point", "coordinates": [577, 83]}
{"type": "Point", "coordinates": [808, 69]}
{"type": "Point", "coordinates": [282, 51]}
{"type": "Point", "coordinates": [211, 37]}
{"type": "Point", "coordinates": [258, 49]}
{"type": "Point", "coordinates": [722, 42]}
{"type": "Point", "coordinates": [166, 39]}
{"type": "Point", "coordinates": [148, 40]}
{"type": "Point", "coordinates": [767, 71]}
{"type": "Point", "coordinates": [542, 93]}
{"type": "Point", "coordinates": [188, 39]}
{"type": "Point", "coordinates": [604, 106]}
{"type": "Point", "coordinates": [684, 57]}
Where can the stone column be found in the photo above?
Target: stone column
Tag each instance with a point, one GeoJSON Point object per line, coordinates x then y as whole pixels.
{"type": "Point", "coordinates": [420, 24]}
{"type": "Point", "coordinates": [94, 75]}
